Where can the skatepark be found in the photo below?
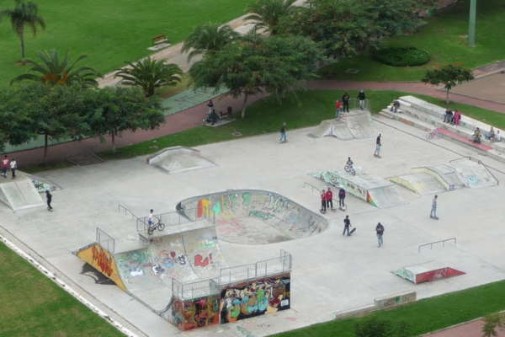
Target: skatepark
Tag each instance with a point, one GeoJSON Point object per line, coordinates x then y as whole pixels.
{"type": "Point", "coordinates": [330, 274]}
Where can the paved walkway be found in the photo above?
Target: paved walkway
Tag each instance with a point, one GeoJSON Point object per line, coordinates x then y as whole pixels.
{"type": "Point", "coordinates": [469, 329]}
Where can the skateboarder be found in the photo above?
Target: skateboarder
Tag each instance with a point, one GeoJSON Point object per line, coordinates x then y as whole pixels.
{"type": "Point", "coordinates": [347, 225]}
{"type": "Point", "coordinates": [338, 108]}
{"type": "Point", "coordinates": [329, 199]}
{"type": "Point", "coordinates": [49, 198]}
{"type": "Point", "coordinates": [433, 213]}
{"type": "Point", "coordinates": [14, 166]}
{"type": "Point", "coordinates": [378, 145]}
{"type": "Point", "coordinates": [362, 99]}
{"type": "Point", "coordinates": [323, 202]}
{"type": "Point", "coordinates": [5, 166]}
{"type": "Point", "coordinates": [379, 229]}
{"type": "Point", "coordinates": [341, 198]}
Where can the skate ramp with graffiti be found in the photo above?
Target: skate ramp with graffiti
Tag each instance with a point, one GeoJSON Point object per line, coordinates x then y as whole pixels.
{"type": "Point", "coordinates": [353, 125]}
{"type": "Point", "coordinates": [460, 173]}
{"type": "Point", "coordinates": [20, 193]}
{"type": "Point", "coordinates": [179, 159]}
{"type": "Point", "coordinates": [426, 272]}
{"type": "Point", "coordinates": [254, 216]}
{"type": "Point", "coordinates": [374, 190]}
{"type": "Point", "coordinates": [147, 272]}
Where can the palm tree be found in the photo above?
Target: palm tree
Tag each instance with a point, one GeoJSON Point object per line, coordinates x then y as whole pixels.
{"type": "Point", "coordinates": [51, 69]}
{"type": "Point", "coordinates": [23, 14]}
{"type": "Point", "coordinates": [208, 38]}
{"type": "Point", "coordinates": [150, 74]}
{"type": "Point", "coordinates": [268, 13]}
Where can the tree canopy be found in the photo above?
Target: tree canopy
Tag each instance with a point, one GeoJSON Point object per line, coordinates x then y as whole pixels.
{"type": "Point", "coordinates": [268, 14]}
{"type": "Point", "coordinates": [150, 74]}
{"type": "Point", "coordinates": [52, 69]}
{"type": "Point", "coordinates": [277, 65]}
{"type": "Point", "coordinates": [208, 38]}
{"type": "Point", "coordinates": [449, 76]}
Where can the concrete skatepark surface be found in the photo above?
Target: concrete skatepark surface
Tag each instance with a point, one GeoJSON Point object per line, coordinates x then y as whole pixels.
{"type": "Point", "coordinates": [331, 273]}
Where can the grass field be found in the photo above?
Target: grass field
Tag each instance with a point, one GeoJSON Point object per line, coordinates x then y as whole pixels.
{"type": "Point", "coordinates": [109, 32]}
{"type": "Point", "coordinates": [32, 305]}
{"type": "Point", "coordinates": [445, 37]}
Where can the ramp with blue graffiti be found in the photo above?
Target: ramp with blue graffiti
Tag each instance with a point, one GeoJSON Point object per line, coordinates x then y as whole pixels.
{"type": "Point", "coordinates": [254, 216]}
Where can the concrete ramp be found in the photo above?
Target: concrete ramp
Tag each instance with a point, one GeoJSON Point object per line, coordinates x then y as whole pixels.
{"type": "Point", "coordinates": [420, 182]}
{"type": "Point", "coordinates": [426, 273]}
{"type": "Point", "coordinates": [374, 190]}
{"type": "Point", "coordinates": [254, 216]}
{"type": "Point", "coordinates": [473, 174]}
{"type": "Point", "coordinates": [356, 124]}
{"type": "Point", "coordinates": [20, 193]}
{"type": "Point", "coordinates": [179, 159]}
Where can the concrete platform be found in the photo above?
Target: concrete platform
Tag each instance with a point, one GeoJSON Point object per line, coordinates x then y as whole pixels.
{"type": "Point", "coordinates": [331, 273]}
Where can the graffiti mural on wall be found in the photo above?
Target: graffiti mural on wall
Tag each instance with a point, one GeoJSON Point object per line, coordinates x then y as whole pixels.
{"type": "Point", "coordinates": [195, 313]}
{"type": "Point", "coordinates": [249, 299]}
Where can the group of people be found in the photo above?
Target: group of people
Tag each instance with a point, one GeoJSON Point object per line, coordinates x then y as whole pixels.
{"type": "Point", "coordinates": [212, 116]}
{"type": "Point", "coordinates": [379, 230]}
{"type": "Point", "coordinates": [452, 117]}
{"type": "Point", "coordinates": [327, 200]}
{"type": "Point", "coordinates": [342, 104]}
{"type": "Point", "coordinates": [9, 164]}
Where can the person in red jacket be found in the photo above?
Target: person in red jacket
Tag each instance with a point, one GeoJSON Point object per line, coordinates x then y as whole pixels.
{"type": "Point", "coordinates": [329, 198]}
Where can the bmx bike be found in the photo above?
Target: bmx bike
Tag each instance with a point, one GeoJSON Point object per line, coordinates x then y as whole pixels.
{"type": "Point", "coordinates": [349, 168]}
{"type": "Point", "coordinates": [155, 226]}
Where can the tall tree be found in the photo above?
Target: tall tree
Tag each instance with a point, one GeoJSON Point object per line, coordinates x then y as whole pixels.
{"type": "Point", "coordinates": [449, 76]}
{"type": "Point", "coordinates": [16, 127]}
{"type": "Point", "coordinates": [150, 74]}
{"type": "Point", "coordinates": [269, 13]}
{"type": "Point", "coordinates": [25, 13]}
{"type": "Point", "coordinates": [52, 69]}
{"type": "Point", "coordinates": [277, 65]}
{"type": "Point", "coordinates": [119, 109]}
{"type": "Point", "coordinates": [208, 38]}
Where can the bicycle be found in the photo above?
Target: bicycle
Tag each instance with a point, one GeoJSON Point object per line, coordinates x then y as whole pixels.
{"type": "Point", "coordinates": [433, 134]}
{"type": "Point", "coordinates": [155, 226]}
{"type": "Point", "coordinates": [349, 168]}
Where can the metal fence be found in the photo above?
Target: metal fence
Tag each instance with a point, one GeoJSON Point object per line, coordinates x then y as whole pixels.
{"type": "Point", "coordinates": [170, 219]}
{"type": "Point", "coordinates": [227, 275]}
{"type": "Point", "coordinates": [105, 240]}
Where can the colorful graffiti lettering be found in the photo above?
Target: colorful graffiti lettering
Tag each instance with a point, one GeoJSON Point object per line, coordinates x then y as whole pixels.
{"type": "Point", "coordinates": [103, 260]}
{"type": "Point", "coordinates": [260, 215]}
{"type": "Point", "coordinates": [255, 298]}
{"type": "Point", "coordinates": [202, 262]}
{"type": "Point", "coordinates": [195, 313]}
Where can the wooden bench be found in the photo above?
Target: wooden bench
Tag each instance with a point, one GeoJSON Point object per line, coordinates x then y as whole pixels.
{"type": "Point", "coordinates": [159, 39]}
{"type": "Point", "coordinates": [159, 42]}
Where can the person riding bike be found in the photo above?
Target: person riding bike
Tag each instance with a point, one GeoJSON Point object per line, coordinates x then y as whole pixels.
{"type": "Point", "coordinates": [349, 166]}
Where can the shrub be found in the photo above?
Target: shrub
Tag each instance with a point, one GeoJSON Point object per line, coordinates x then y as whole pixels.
{"type": "Point", "coordinates": [402, 56]}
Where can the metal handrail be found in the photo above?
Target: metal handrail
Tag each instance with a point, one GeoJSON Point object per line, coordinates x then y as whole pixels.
{"type": "Point", "coordinates": [434, 243]}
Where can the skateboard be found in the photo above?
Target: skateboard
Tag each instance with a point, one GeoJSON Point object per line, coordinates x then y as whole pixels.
{"type": "Point", "coordinates": [352, 231]}
{"type": "Point", "coordinates": [343, 208]}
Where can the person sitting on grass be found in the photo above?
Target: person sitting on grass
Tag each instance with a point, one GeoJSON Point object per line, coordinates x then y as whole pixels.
{"type": "Point", "coordinates": [212, 118]}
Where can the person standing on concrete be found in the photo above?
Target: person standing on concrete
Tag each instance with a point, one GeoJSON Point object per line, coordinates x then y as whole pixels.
{"type": "Point", "coordinates": [14, 166]}
{"type": "Point", "coordinates": [345, 101]}
{"type": "Point", "coordinates": [49, 199]}
{"type": "Point", "coordinates": [329, 199]}
{"type": "Point", "coordinates": [341, 198]}
{"type": "Point", "coordinates": [379, 229]}
{"type": "Point", "coordinates": [347, 226]}
{"type": "Point", "coordinates": [323, 201]}
{"type": "Point", "coordinates": [284, 136]}
{"type": "Point", "coordinates": [338, 108]}
{"type": "Point", "coordinates": [433, 213]}
{"type": "Point", "coordinates": [378, 145]}
{"type": "Point", "coordinates": [362, 99]}
{"type": "Point", "coordinates": [5, 165]}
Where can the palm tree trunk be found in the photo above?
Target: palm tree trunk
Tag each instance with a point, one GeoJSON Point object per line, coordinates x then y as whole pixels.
{"type": "Point", "coordinates": [447, 97]}
{"type": "Point", "coordinates": [46, 137]}
{"type": "Point", "coordinates": [21, 34]}
{"type": "Point", "coordinates": [242, 114]}
{"type": "Point", "coordinates": [113, 140]}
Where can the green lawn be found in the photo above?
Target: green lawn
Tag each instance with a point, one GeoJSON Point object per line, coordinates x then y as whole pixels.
{"type": "Point", "coordinates": [109, 32]}
{"type": "Point", "coordinates": [422, 316]}
{"type": "Point", "coordinates": [445, 37]}
{"type": "Point", "coordinates": [32, 305]}
{"type": "Point", "coordinates": [266, 116]}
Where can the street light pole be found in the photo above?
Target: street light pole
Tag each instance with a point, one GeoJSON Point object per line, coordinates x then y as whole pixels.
{"type": "Point", "coordinates": [471, 23]}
